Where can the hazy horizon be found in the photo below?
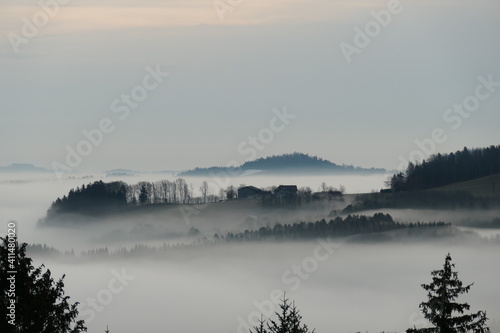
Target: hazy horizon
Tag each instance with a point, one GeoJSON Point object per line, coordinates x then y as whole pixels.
{"type": "Point", "coordinates": [167, 169]}
{"type": "Point", "coordinates": [201, 84]}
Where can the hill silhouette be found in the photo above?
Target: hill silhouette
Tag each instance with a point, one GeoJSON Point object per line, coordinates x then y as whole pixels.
{"type": "Point", "coordinates": [295, 163]}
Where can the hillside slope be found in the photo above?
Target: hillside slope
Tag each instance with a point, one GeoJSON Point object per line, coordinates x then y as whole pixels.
{"type": "Point", "coordinates": [484, 186]}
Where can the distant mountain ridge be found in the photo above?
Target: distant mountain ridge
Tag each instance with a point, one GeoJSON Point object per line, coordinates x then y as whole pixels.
{"type": "Point", "coordinates": [22, 167]}
{"type": "Point", "coordinates": [297, 163]}
{"type": "Point", "coordinates": [130, 173]}
{"type": "Point", "coordinates": [294, 163]}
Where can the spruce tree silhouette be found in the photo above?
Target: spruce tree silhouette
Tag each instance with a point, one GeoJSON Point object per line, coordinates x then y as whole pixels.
{"type": "Point", "coordinates": [441, 306]}
{"type": "Point", "coordinates": [40, 303]}
{"type": "Point", "coordinates": [289, 320]}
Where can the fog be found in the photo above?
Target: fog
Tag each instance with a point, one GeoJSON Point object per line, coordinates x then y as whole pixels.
{"type": "Point", "coordinates": [457, 216]}
{"type": "Point", "coordinates": [26, 198]}
{"type": "Point", "coordinates": [338, 286]}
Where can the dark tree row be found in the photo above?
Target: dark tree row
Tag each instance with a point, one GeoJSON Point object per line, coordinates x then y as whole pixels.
{"type": "Point", "coordinates": [338, 227]}
{"type": "Point", "coordinates": [99, 198]}
{"type": "Point", "coordinates": [439, 170]}
{"type": "Point", "coordinates": [94, 199]}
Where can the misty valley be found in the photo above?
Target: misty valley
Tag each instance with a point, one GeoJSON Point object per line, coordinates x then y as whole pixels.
{"type": "Point", "coordinates": [259, 166]}
{"type": "Point", "coordinates": [180, 253]}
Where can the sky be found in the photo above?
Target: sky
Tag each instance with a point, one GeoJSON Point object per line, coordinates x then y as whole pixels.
{"type": "Point", "coordinates": [156, 85]}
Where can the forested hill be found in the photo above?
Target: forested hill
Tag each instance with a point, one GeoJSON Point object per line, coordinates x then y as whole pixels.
{"type": "Point", "coordinates": [439, 170]}
{"type": "Point", "coordinates": [297, 163]}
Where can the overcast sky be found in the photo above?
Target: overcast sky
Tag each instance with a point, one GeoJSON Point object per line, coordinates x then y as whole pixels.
{"type": "Point", "coordinates": [230, 65]}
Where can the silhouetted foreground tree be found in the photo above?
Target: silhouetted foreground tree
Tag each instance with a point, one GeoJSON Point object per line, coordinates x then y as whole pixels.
{"type": "Point", "coordinates": [289, 321]}
{"type": "Point", "coordinates": [40, 303]}
{"type": "Point", "coordinates": [439, 309]}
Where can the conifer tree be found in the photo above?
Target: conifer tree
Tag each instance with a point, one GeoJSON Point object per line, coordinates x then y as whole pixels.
{"type": "Point", "coordinates": [441, 307]}
{"type": "Point", "coordinates": [289, 320]}
{"type": "Point", "coordinates": [41, 305]}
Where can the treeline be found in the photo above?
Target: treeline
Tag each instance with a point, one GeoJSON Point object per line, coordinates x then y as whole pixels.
{"type": "Point", "coordinates": [370, 227]}
{"type": "Point", "coordinates": [99, 198]}
{"type": "Point", "coordinates": [335, 228]}
{"type": "Point", "coordinates": [94, 199]}
{"type": "Point", "coordinates": [439, 170]}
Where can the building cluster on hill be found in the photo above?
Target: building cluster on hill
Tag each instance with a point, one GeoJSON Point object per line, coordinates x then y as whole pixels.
{"type": "Point", "coordinates": [287, 194]}
{"type": "Point", "coordinates": [100, 198]}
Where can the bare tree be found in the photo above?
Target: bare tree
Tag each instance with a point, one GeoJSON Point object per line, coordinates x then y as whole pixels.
{"type": "Point", "coordinates": [231, 192]}
{"type": "Point", "coordinates": [173, 192]}
{"type": "Point", "coordinates": [154, 193]}
{"type": "Point", "coordinates": [222, 193]}
{"type": "Point", "coordinates": [165, 188]}
{"type": "Point", "coordinates": [204, 190]}
{"type": "Point", "coordinates": [181, 189]}
{"type": "Point", "coordinates": [187, 197]}
{"type": "Point", "coordinates": [191, 192]}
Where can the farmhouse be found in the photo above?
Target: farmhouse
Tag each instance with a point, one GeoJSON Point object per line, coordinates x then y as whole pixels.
{"type": "Point", "coordinates": [286, 191]}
